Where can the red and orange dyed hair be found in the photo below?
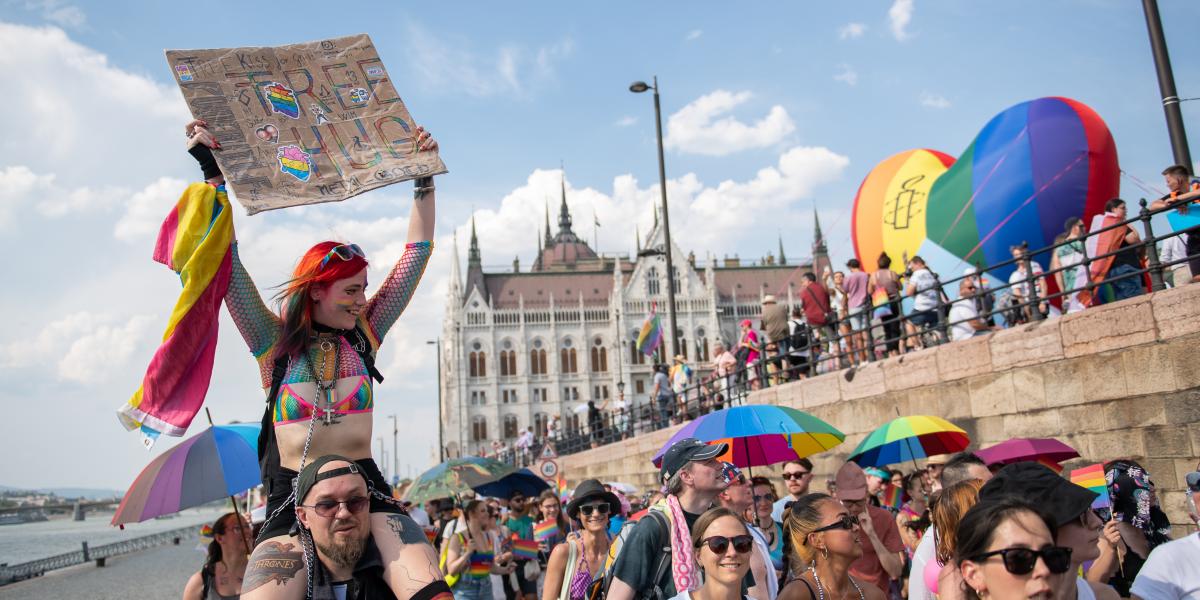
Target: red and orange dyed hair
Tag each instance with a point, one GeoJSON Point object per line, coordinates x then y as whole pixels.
{"type": "Point", "coordinates": [295, 300]}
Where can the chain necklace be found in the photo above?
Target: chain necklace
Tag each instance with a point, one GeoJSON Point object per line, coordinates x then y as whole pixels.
{"type": "Point", "coordinates": [821, 588]}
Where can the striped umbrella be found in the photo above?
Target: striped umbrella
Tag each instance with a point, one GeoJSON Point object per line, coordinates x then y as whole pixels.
{"type": "Point", "coordinates": [456, 476]}
{"type": "Point", "coordinates": [909, 438]}
{"type": "Point", "coordinates": [219, 462]}
{"type": "Point", "coordinates": [760, 434]}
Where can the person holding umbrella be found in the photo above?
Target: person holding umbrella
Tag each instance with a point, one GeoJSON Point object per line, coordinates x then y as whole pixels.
{"type": "Point", "coordinates": [225, 562]}
{"type": "Point", "coordinates": [579, 561]}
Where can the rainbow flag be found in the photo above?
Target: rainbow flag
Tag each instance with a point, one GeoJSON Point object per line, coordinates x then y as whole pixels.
{"type": "Point", "coordinates": [651, 334]}
{"type": "Point", "coordinates": [561, 484]}
{"type": "Point", "coordinates": [892, 496]}
{"type": "Point", "coordinates": [430, 534]}
{"type": "Point", "coordinates": [481, 564]}
{"type": "Point", "coordinates": [526, 549]}
{"type": "Point", "coordinates": [546, 530]}
{"type": "Point", "coordinates": [880, 301]}
{"type": "Point", "coordinates": [1092, 478]}
{"type": "Point", "coordinates": [195, 241]}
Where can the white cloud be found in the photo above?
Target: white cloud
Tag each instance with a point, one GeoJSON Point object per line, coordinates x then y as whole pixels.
{"type": "Point", "coordinates": [85, 117]}
{"type": "Point", "coordinates": [900, 15]}
{"type": "Point", "coordinates": [21, 189]}
{"type": "Point", "coordinates": [147, 208]}
{"type": "Point", "coordinates": [851, 31]}
{"type": "Point", "coordinates": [84, 347]}
{"type": "Point", "coordinates": [696, 128]}
{"type": "Point", "coordinates": [846, 75]}
{"type": "Point", "coordinates": [936, 101]}
{"type": "Point", "coordinates": [694, 34]}
{"type": "Point", "coordinates": [17, 185]}
{"type": "Point", "coordinates": [450, 65]}
{"type": "Point", "coordinates": [626, 121]}
{"type": "Point", "coordinates": [55, 11]}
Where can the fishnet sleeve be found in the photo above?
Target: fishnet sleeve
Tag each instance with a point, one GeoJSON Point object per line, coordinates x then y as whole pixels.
{"type": "Point", "coordinates": [386, 305]}
{"type": "Point", "coordinates": [258, 325]}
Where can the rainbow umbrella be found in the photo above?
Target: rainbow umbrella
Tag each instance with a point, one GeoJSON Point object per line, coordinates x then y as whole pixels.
{"type": "Point", "coordinates": [219, 462]}
{"type": "Point", "coordinates": [456, 476]}
{"type": "Point", "coordinates": [760, 434]}
{"type": "Point", "coordinates": [909, 438]}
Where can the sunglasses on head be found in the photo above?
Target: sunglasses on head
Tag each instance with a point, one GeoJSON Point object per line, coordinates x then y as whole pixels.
{"type": "Point", "coordinates": [795, 475]}
{"type": "Point", "coordinates": [1020, 561]}
{"type": "Point", "coordinates": [600, 509]}
{"type": "Point", "coordinates": [845, 522]}
{"type": "Point", "coordinates": [329, 508]}
{"type": "Point", "coordinates": [344, 252]}
{"type": "Point", "coordinates": [719, 543]}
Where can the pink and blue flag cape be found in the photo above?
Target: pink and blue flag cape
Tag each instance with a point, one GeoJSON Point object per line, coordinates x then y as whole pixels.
{"type": "Point", "coordinates": [195, 241]}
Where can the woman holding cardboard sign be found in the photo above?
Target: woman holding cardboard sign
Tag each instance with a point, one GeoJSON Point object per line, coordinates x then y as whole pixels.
{"type": "Point", "coordinates": [316, 358]}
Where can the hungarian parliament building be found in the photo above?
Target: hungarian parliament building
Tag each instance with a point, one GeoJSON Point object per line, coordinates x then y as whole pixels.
{"type": "Point", "coordinates": [519, 348]}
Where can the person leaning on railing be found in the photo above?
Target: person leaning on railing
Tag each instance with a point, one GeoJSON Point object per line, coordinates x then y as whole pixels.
{"type": "Point", "coordinates": [1184, 194]}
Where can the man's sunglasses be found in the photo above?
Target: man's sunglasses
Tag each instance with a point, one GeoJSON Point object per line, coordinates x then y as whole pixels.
{"type": "Point", "coordinates": [329, 508]}
{"type": "Point", "coordinates": [719, 543]}
{"type": "Point", "coordinates": [1020, 561]}
{"type": "Point", "coordinates": [846, 522]}
{"type": "Point", "coordinates": [344, 252]}
{"type": "Point", "coordinates": [795, 475]}
{"type": "Point", "coordinates": [600, 509]}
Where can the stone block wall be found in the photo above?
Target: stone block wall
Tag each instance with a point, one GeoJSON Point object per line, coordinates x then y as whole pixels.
{"type": "Point", "coordinates": [1121, 380]}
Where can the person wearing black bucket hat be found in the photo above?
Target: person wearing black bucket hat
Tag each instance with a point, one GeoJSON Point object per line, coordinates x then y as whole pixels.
{"type": "Point", "coordinates": [657, 558]}
{"type": "Point", "coordinates": [1070, 507]}
{"type": "Point", "coordinates": [579, 561]}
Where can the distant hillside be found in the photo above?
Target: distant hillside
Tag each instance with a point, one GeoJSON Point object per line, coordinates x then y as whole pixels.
{"type": "Point", "coordinates": [69, 492]}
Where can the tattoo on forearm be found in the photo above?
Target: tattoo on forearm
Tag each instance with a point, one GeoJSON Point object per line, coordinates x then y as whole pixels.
{"type": "Point", "coordinates": [273, 561]}
{"type": "Point", "coordinates": [406, 529]}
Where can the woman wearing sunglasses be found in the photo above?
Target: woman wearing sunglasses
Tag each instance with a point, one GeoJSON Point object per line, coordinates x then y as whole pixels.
{"type": "Point", "coordinates": [826, 540]}
{"type": "Point", "coordinates": [1005, 550]}
{"type": "Point", "coordinates": [722, 544]}
{"type": "Point", "coordinates": [475, 554]}
{"type": "Point", "coordinates": [576, 566]}
{"type": "Point", "coordinates": [316, 358]}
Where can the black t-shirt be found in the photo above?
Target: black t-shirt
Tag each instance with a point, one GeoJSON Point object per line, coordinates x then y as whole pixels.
{"type": "Point", "coordinates": [642, 552]}
{"type": "Point", "coordinates": [1127, 255]}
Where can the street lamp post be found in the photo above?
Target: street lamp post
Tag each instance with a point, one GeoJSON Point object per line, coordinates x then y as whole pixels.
{"type": "Point", "coordinates": [1166, 85]}
{"type": "Point", "coordinates": [441, 411]}
{"type": "Point", "coordinates": [395, 453]}
{"type": "Point", "coordinates": [638, 87]}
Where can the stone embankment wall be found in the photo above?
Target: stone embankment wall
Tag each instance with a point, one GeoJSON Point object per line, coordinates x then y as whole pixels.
{"type": "Point", "coordinates": [1121, 380]}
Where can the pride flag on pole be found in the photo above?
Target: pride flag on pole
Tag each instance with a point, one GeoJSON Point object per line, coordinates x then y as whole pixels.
{"type": "Point", "coordinates": [1092, 478]}
{"type": "Point", "coordinates": [526, 549]}
{"type": "Point", "coordinates": [546, 530]}
{"type": "Point", "coordinates": [651, 335]}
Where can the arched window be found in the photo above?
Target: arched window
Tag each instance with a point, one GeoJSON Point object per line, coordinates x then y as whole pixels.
{"type": "Point", "coordinates": [477, 363]}
{"type": "Point", "coordinates": [540, 422]}
{"type": "Point", "coordinates": [510, 426]}
{"type": "Point", "coordinates": [701, 345]}
{"type": "Point", "coordinates": [599, 357]}
{"type": "Point", "coordinates": [635, 357]}
{"type": "Point", "coordinates": [568, 362]}
{"type": "Point", "coordinates": [479, 429]}
{"type": "Point", "coordinates": [652, 284]}
{"type": "Point", "coordinates": [675, 279]}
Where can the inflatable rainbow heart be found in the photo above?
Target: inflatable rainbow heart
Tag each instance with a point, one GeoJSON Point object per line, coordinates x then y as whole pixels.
{"type": "Point", "coordinates": [1030, 168]}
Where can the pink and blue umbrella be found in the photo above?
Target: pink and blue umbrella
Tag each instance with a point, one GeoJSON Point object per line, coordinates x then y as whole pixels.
{"type": "Point", "coordinates": [760, 434]}
{"type": "Point", "coordinates": [218, 463]}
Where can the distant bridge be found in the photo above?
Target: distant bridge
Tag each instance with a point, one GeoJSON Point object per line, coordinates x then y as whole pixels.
{"type": "Point", "coordinates": [78, 507]}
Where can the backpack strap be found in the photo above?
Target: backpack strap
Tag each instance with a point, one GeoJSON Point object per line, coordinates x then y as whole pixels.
{"type": "Point", "coordinates": [569, 571]}
{"type": "Point", "coordinates": [664, 561]}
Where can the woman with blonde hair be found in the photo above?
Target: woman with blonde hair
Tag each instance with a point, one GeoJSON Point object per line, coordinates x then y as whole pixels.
{"type": "Point", "coordinates": [825, 540]}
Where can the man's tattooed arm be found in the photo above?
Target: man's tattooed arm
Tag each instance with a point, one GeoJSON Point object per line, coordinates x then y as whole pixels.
{"type": "Point", "coordinates": [272, 561]}
{"type": "Point", "coordinates": [407, 529]}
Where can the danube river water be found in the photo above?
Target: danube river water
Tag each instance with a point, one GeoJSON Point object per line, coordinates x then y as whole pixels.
{"type": "Point", "coordinates": [31, 541]}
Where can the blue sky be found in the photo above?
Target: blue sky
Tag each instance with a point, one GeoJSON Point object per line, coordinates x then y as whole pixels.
{"type": "Point", "coordinates": [769, 112]}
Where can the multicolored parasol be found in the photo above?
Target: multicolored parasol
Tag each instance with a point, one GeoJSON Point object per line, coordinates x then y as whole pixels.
{"type": "Point", "coordinates": [219, 462]}
{"type": "Point", "coordinates": [760, 434]}
{"type": "Point", "coordinates": [909, 438]}
{"type": "Point", "coordinates": [456, 476]}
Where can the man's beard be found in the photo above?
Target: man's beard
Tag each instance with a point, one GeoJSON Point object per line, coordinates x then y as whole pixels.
{"type": "Point", "coordinates": [343, 554]}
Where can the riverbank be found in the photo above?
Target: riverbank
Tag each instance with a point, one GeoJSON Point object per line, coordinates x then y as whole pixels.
{"type": "Point", "coordinates": [155, 574]}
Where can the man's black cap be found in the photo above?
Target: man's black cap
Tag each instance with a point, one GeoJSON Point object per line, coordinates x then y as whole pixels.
{"type": "Point", "coordinates": [1042, 487]}
{"type": "Point", "coordinates": [309, 475]}
{"type": "Point", "coordinates": [688, 450]}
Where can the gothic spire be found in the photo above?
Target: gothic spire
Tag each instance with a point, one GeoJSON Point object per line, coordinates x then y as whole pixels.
{"type": "Point", "coordinates": [549, 238]}
{"type": "Point", "coordinates": [473, 256]}
{"type": "Point", "coordinates": [782, 258]}
{"type": "Point", "coordinates": [564, 215]}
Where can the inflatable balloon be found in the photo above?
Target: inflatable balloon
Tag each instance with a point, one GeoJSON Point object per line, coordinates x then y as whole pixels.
{"type": "Point", "coordinates": [1029, 169]}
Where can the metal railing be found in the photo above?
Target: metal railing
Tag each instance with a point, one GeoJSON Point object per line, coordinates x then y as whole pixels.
{"type": "Point", "coordinates": [36, 568]}
{"type": "Point", "coordinates": [838, 345]}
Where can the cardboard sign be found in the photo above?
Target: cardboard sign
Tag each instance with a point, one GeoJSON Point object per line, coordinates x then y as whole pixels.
{"type": "Point", "coordinates": [303, 123]}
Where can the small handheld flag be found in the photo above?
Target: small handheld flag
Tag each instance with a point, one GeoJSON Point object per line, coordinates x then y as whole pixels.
{"type": "Point", "coordinates": [546, 530]}
{"type": "Point", "coordinates": [526, 549]}
{"type": "Point", "coordinates": [893, 496]}
{"type": "Point", "coordinates": [1092, 478]}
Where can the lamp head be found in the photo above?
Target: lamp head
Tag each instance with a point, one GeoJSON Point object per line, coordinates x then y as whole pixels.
{"type": "Point", "coordinates": [638, 87]}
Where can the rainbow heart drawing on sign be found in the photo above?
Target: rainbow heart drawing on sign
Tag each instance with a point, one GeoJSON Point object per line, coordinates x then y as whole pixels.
{"type": "Point", "coordinates": [282, 99]}
{"type": "Point", "coordinates": [294, 162]}
{"type": "Point", "coordinates": [1030, 168]}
